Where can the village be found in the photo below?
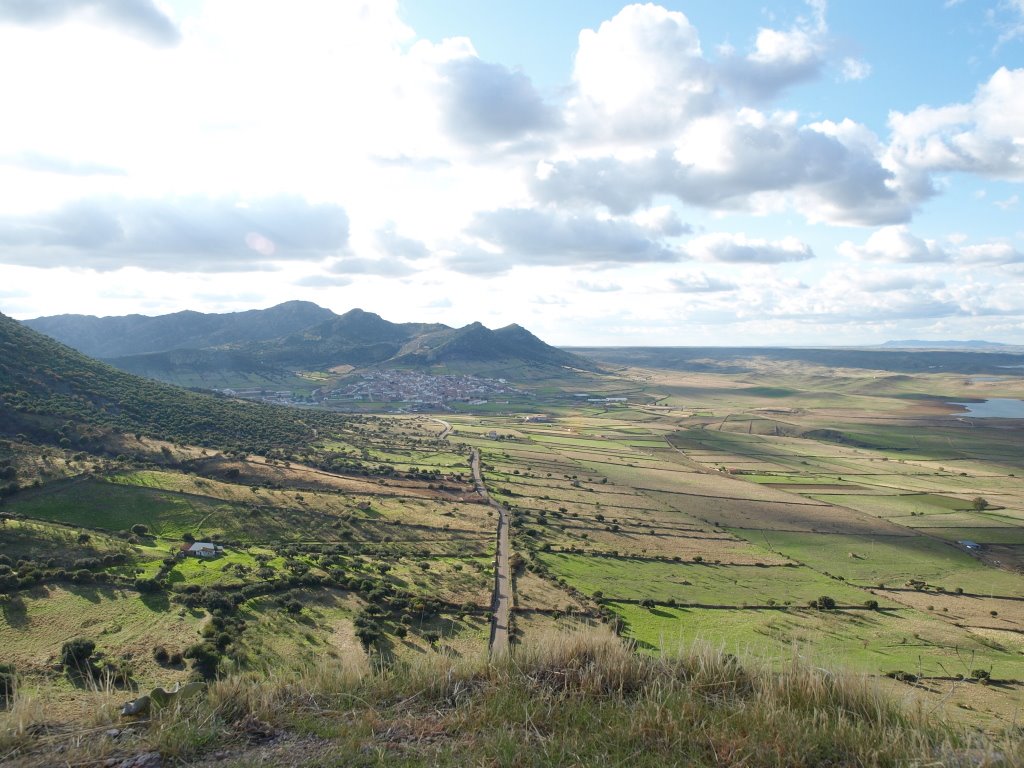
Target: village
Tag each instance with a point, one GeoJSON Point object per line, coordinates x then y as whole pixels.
{"type": "Point", "coordinates": [421, 391]}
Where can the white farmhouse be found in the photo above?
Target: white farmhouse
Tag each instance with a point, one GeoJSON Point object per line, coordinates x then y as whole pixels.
{"type": "Point", "coordinates": [203, 549]}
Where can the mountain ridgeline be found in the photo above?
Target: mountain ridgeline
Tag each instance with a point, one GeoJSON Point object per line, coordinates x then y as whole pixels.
{"type": "Point", "coordinates": [297, 335]}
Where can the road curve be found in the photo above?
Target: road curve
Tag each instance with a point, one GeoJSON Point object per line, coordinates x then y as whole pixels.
{"type": "Point", "coordinates": [501, 602]}
{"type": "Point", "coordinates": [446, 428]}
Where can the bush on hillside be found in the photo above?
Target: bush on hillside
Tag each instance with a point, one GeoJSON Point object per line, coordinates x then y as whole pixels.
{"type": "Point", "coordinates": [77, 657]}
{"type": "Point", "coordinates": [8, 683]}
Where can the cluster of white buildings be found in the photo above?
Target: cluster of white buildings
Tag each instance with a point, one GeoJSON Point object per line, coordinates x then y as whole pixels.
{"type": "Point", "coordinates": [421, 389]}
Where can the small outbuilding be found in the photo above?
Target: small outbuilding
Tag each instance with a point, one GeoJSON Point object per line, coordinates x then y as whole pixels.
{"type": "Point", "coordinates": [203, 549]}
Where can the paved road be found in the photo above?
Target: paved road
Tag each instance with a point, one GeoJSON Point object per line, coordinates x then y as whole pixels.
{"type": "Point", "coordinates": [501, 603]}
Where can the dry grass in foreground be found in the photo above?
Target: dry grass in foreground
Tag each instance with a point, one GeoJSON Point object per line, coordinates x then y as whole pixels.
{"type": "Point", "coordinates": [579, 698]}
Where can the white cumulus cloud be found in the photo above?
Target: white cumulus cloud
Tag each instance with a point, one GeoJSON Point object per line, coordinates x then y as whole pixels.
{"type": "Point", "coordinates": [736, 248]}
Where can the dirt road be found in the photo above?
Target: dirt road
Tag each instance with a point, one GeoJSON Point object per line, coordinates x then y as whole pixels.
{"type": "Point", "coordinates": [501, 603]}
{"type": "Point", "coordinates": [446, 428]}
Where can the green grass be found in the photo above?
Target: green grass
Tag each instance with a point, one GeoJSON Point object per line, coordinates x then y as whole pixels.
{"type": "Point", "coordinates": [896, 506]}
{"type": "Point", "coordinates": [37, 540]}
{"type": "Point", "coordinates": [120, 621]}
{"type": "Point", "coordinates": [866, 641]}
{"type": "Point", "coordinates": [572, 699]}
{"type": "Point", "coordinates": [98, 504]}
{"type": "Point", "coordinates": [986, 535]}
{"type": "Point", "coordinates": [703, 583]}
{"type": "Point", "coordinates": [893, 561]}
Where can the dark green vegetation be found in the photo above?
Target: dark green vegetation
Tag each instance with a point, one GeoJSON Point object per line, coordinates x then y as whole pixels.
{"type": "Point", "coordinates": [107, 337]}
{"type": "Point", "coordinates": [52, 393]}
{"type": "Point", "coordinates": [266, 345]}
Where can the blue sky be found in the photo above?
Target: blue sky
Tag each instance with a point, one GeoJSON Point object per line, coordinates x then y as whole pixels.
{"type": "Point", "coordinates": [602, 173]}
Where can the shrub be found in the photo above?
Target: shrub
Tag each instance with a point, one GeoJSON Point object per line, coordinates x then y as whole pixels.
{"type": "Point", "coordinates": [76, 654]}
{"type": "Point", "coordinates": [139, 529]}
{"type": "Point", "coordinates": [369, 635]}
{"type": "Point", "coordinates": [8, 683]}
{"type": "Point", "coordinates": [204, 659]}
{"type": "Point", "coordinates": [872, 604]}
{"type": "Point", "coordinates": [899, 674]}
{"type": "Point", "coordinates": [160, 655]}
{"type": "Point", "coordinates": [147, 585]}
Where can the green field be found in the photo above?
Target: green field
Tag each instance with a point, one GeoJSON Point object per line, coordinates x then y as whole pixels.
{"type": "Point", "coordinates": [698, 583]}
{"type": "Point", "coordinates": [730, 505]}
{"type": "Point", "coordinates": [863, 641]}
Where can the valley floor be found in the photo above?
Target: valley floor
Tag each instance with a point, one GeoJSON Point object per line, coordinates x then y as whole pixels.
{"type": "Point", "coordinates": [849, 522]}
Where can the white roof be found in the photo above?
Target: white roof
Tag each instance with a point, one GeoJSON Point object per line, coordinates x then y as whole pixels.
{"type": "Point", "coordinates": [202, 545]}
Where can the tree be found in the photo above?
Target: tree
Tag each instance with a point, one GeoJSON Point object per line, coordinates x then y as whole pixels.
{"type": "Point", "coordinates": [979, 503]}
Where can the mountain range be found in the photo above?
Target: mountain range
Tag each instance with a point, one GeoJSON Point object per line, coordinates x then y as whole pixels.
{"type": "Point", "coordinates": [943, 344]}
{"type": "Point", "coordinates": [297, 335]}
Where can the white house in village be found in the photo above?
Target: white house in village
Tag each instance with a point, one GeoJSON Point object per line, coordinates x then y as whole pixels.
{"type": "Point", "coordinates": [202, 549]}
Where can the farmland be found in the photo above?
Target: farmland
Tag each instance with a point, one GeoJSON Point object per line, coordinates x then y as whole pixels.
{"type": "Point", "coordinates": [721, 508]}
{"type": "Point", "coordinates": [774, 513]}
{"type": "Point", "coordinates": [393, 556]}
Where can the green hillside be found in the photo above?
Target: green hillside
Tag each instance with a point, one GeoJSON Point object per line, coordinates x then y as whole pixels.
{"type": "Point", "coordinates": [44, 383]}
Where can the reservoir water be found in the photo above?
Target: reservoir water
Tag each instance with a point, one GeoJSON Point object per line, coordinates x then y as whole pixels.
{"type": "Point", "coordinates": [996, 408]}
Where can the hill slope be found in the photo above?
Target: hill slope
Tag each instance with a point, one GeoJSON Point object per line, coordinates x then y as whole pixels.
{"type": "Point", "coordinates": [107, 337]}
{"type": "Point", "coordinates": [355, 338]}
{"type": "Point", "coordinates": [475, 343]}
{"type": "Point", "coordinates": [44, 383]}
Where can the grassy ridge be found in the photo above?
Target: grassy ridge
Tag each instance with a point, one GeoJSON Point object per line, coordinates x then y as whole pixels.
{"type": "Point", "coordinates": [577, 698]}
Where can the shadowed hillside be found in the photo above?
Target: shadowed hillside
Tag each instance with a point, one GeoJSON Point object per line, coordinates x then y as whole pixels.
{"type": "Point", "coordinates": [108, 337]}
{"type": "Point", "coordinates": [44, 383]}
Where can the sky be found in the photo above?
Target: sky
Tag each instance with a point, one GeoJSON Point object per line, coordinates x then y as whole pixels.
{"type": "Point", "coordinates": [685, 173]}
